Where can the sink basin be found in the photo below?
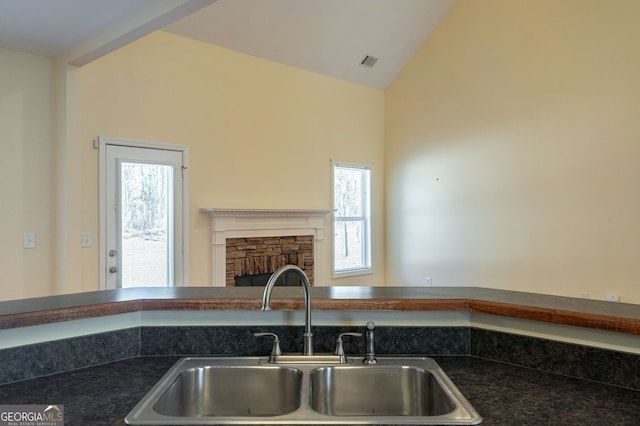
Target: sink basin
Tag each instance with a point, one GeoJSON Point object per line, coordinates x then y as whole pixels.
{"type": "Point", "coordinates": [212, 390]}
{"type": "Point", "coordinates": [303, 390]}
{"type": "Point", "coordinates": [385, 390]}
{"type": "Point", "coordinates": [232, 391]}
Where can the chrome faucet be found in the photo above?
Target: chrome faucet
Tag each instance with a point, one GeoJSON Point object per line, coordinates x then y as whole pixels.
{"type": "Point", "coordinates": [266, 300]}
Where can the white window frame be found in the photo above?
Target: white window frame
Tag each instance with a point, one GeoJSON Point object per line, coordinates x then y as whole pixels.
{"type": "Point", "coordinates": [366, 209]}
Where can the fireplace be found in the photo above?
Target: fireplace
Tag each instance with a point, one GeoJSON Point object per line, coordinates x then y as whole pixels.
{"type": "Point", "coordinates": [267, 240]}
{"type": "Point", "coordinates": [251, 261]}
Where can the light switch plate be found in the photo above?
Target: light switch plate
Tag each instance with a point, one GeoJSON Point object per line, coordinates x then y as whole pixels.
{"type": "Point", "coordinates": [85, 240]}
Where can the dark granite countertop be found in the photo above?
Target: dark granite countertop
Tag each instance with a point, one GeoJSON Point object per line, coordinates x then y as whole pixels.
{"type": "Point", "coordinates": [503, 394]}
{"type": "Point", "coordinates": [602, 315]}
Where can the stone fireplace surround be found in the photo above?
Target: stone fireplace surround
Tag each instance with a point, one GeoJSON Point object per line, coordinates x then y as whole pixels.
{"type": "Point", "coordinates": [264, 224]}
{"type": "Point", "coordinates": [262, 256]}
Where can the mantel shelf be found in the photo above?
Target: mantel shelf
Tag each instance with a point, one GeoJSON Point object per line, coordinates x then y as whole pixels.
{"type": "Point", "coordinates": [220, 212]}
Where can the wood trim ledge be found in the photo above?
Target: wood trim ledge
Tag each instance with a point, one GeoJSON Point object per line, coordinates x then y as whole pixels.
{"type": "Point", "coordinates": [555, 316]}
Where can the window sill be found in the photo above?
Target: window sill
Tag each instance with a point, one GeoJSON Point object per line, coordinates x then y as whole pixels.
{"type": "Point", "coordinates": [352, 273]}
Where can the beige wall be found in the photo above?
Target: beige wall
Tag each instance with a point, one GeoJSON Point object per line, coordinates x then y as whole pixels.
{"type": "Point", "coordinates": [512, 150]}
{"type": "Point", "coordinates": [26, 137]}
{"type": "Point", "coordinates": [509, 143]}
{"type": "Point", "coordinates": [261, 135]}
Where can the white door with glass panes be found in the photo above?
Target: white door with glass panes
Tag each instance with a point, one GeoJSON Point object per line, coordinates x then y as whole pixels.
{"type": "Point", "coordinates": [142, 214]}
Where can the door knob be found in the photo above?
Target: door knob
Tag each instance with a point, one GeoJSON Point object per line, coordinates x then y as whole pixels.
{"type": "Point", "coordinates": [113, 269]}
{"type": "Point", "coordinates": [112, 253]}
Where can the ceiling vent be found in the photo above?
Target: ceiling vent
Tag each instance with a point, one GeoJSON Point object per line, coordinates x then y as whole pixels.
{"type": "Point", "coordinates": [369, 61]}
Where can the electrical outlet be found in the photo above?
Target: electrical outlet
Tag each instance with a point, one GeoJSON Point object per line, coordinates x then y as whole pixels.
{"type": "Point", "coordinates": [611, 297]}
{"type": "Point", "coordinates": [427, 281]}
{"type": "Point", "coordinates": [583, 295]}
{"type": "Point", "coordinates": [29, 240]}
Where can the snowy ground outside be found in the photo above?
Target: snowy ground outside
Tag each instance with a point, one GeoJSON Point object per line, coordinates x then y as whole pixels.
{"type": "Point", "coordinates": [144, 260]}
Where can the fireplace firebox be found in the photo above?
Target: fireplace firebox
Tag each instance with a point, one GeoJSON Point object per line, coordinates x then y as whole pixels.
{"type": "Point", "coordinates": [251, 261]}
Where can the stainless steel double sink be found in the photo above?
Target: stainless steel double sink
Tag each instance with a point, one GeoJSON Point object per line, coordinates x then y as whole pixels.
{"type": "Point", "coordinates": [303, 390]}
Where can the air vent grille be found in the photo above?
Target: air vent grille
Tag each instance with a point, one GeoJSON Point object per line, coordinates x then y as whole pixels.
{"type": "Point", "coordinates": [369, 61]}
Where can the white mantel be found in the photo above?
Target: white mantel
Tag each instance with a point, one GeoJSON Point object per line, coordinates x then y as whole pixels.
{"type": "Point", "coordinates": [244, 223]}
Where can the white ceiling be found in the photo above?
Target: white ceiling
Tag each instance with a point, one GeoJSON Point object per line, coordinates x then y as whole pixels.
{"type": "Point", "coordinates": [329, 37]}
{"type": "Point", "coordinates": [51, 27]}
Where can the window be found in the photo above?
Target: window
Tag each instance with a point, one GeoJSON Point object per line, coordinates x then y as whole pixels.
{"type": "Point", "coordinates": [352, 219]}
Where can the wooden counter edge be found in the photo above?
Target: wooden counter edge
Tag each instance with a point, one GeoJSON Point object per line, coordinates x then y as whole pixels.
{"type": "Point", "coordinates": [600, 322]}
{"type": "Point", "coordinates": [557, 316]}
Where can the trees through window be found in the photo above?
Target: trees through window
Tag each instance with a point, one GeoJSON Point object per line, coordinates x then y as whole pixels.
{"type": "Point", "coordinates": [352, 220]}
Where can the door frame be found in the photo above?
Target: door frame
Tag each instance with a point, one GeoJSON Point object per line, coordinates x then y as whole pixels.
{"type": "Point", "coordinates": [181, 276]}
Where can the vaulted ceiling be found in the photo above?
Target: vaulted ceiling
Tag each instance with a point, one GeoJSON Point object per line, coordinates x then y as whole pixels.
{"type": "Point", "coordinates": [329, 37]}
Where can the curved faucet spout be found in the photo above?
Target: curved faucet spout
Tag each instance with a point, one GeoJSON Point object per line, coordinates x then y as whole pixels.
{"type": "Point", "coordinates": [266, 301]}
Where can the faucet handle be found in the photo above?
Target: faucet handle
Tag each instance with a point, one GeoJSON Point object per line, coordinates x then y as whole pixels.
{"type": "Point", "coordinates": [340, 349]}
{"type": "Point", "coordinates": [275, 350]}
